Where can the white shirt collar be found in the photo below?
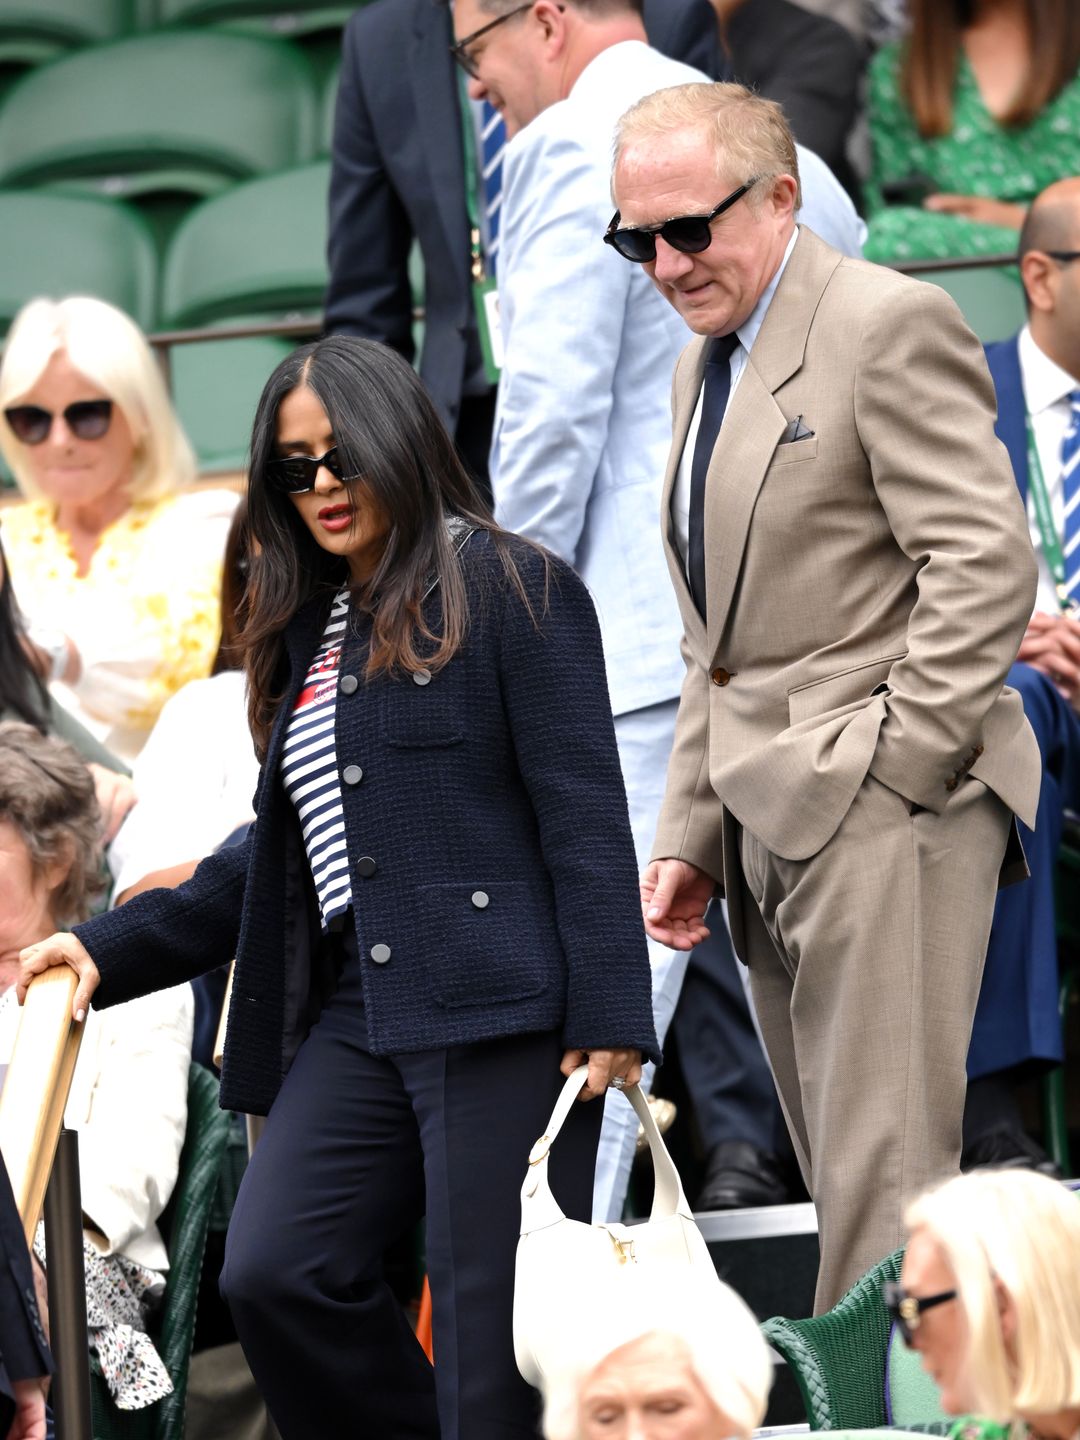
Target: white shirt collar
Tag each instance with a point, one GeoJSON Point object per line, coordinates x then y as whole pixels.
{"type": "Point", "coordinates": [1045, 382]}
{"type": "Point", "coordinates": [748, 330]}
{"type": "Point", "coordinates": [607, 63]}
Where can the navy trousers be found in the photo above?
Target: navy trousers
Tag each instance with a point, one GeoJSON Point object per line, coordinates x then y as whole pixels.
{"type": "Point", "coordinates": [356, 1149]}
{"type": "Point", "coordinates": [1017, 1022]}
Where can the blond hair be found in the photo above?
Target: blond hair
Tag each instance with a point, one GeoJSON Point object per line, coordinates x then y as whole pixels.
{"type": "Point", "coordinates": [723, 1341]}
{"type": "Point", "coordinates": [1021, 1231]}
{"type": "Point", "coordinates": [750, 137]}
{"type": "Point", "coordinates": [108, 348]}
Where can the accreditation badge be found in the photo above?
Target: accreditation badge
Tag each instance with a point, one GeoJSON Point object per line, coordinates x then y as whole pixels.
{"type": "Point", "coordinates": [486, 302]}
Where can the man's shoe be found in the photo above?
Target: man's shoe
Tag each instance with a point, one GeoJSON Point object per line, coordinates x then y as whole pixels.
{"type": "Point", "coordinates": [739, 1175]}
{"type": "Point", "coordinates": [1009, 1148]}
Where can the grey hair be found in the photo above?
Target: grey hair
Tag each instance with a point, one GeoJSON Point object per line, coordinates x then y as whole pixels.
{"type": "Point", "coordinates": [749, 134]}
{"type": "Point", "coordinates": [723, 1341]}
{"type": "Point", "coordinates": [47, 794]}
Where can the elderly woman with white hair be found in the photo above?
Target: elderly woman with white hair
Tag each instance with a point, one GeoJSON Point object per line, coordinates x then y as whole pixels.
{"type": "Point", "coordinates": [118, 574]}
{"type": "Point", "coordinates": [989, 1295]}
{"type": "Point", "coordinates": [661, 1360]}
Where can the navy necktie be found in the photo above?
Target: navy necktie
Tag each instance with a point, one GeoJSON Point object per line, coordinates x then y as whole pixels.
{"type": "Point", "coordinates": [714, 398]}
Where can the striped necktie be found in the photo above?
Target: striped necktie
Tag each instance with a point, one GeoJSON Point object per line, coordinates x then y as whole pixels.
{"type": "Point", "coordinates": [493, 134]}
{"type": "Point", "coordinates": [1070, 485]}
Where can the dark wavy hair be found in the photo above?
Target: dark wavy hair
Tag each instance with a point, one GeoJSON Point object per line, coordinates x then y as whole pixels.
{"type": "Point", "coordinates": [22, 691]}
{"type": "Point", "coordinates": [387, 431]}
{"type": "Point", "coordinates": [932, 55]}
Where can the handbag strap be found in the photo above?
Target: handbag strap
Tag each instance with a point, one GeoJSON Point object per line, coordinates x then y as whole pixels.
{"type": "Point", "coordinates": [539, 1207]}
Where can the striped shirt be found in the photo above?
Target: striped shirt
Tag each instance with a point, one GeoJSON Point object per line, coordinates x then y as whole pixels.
{"type": "Point", "coordinates": [309, 769]}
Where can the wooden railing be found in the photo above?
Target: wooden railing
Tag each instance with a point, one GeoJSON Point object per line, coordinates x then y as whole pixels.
{"type": "Point", "coordinates": [42, 1160]}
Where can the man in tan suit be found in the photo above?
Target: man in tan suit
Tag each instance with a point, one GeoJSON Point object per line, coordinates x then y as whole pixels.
{"type": "Point", "coordinates": [852, 565]}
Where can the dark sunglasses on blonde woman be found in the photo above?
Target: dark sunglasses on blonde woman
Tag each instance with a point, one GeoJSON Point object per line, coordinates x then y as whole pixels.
{"type": "Point", "coordinates": [86, 419]}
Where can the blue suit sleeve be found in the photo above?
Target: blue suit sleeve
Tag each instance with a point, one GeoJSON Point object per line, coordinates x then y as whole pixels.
{"type": "Point", "coordinates": [369, 292]}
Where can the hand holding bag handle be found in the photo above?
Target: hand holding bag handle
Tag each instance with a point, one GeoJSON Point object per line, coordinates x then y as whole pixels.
{"type": "Point", "coordinates": [560, 1260]}
{"type": "Point", "coordinates": [539, 1207]}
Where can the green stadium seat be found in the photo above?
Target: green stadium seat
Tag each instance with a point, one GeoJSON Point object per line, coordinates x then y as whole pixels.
{"type": "Point", "coordinates": [255, 253]}
{"type": "Point", "coordinates": [60, 245]}
{"type": "Point", "coordinates": [215, 387]}
{"type": "Point", "coordinates": [186, 111]}
{"type": "Point", "coordinates": [992, 299]}
{"type": "Point", "coordinates": [258, 248]}
{"type": "Point", "coordinates": [33, 31]}
{"type": "Point", "coordinates": [268, 17]}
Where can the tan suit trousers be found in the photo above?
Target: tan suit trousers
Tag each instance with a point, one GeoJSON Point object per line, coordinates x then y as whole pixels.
{"type": "Point", "coordinates": [865, 964]}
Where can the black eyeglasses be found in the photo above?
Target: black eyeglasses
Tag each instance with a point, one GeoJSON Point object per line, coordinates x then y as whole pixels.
{"type": "Point", "coordinates": [460, 49]}
{"type": "Point", "coordinates": [297, 473]}
{"type": "Point", "coordinates": [689, 233]}
{"type": "Point", "coordinates": [86, 419]}
{"type": "Point", "coordinates": [906, 1311]}
{"type": "Point", "coordinates": [1064, 255]}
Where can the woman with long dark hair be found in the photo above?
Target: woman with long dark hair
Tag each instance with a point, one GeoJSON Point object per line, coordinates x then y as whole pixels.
{"type": "Point", "coordinates": [971, 115]}
{"type": "Point", "coordinates": [434, 914]}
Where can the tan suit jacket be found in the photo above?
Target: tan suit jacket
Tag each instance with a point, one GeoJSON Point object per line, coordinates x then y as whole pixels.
{"type": "Point", "coordinates": [868, 587]}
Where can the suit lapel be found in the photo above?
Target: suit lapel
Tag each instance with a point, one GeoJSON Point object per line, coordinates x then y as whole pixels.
{"type": "Point", "coordinates": [1011, 427]}
{"type": "Point", "coordinates": [754, 421]}
{"type": "Point", "coordinates": [433, 76]}
{"type": "Point", "coordinates": [688, 377]}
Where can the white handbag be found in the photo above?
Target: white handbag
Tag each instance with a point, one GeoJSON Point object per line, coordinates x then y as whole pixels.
{"type": "Point", "coordinates": [564, 1266]}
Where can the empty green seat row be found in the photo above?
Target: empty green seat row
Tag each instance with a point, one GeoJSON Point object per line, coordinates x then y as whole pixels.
{"type": "Point", "coordinates": [33, 31]}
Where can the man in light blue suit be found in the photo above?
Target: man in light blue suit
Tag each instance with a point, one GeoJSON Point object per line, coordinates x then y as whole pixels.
{"type": "Point", "coordinates": [583, 422]}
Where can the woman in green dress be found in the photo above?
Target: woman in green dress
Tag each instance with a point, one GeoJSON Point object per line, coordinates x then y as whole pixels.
{"type": "Point", "coordinates": [970, 117]}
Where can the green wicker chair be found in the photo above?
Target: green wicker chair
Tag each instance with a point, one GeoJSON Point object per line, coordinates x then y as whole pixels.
{"type": "Point", "coordinates": [838, 1359]}
{"type": "Point", "coordinates": [184, 1224]}
{"type": "Point", "coordinates": [33, 31]}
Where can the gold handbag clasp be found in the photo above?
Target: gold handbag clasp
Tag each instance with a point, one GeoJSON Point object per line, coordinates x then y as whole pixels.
{"type": "Point", "coordinates": [624, 1249]}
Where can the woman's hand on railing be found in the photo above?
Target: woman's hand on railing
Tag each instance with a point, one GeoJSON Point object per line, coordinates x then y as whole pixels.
{"type": "Point", "coordinates": [61, 949]}
{"type": "Point", "coordinates": [29, 1420]}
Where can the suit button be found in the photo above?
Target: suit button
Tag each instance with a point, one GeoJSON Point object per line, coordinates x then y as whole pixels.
{"type": "Point", "coordinates": [951, 785]}
{"type": "Point", "coordinates": [348, 684]}
{"type": "Point", "coordinates": [481, 899]}
{"type": "Point", "coordinates": [366, 867]}
{"type": "Point", "coordinates": [421, 677]}
{"type": "Point", "coordinates": [352, 774]}
{"type": "Point", "coordinates": [720, 676]}
{"type": "Point", "coordinates": [380, 954]}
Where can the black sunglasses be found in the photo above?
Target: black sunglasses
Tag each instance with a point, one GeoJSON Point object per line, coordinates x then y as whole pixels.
{"type": "Point", "coordinates": [689, 233]}
{"type": "Point", "coordinates": [1064, 256]}
{"type": "Point", "coordinates": [86, 419]}
{"type": "Point", "coordinates": [297, 473]}
{"type": "Point", "coordinates": [906, 1311]}
{"type": "Point", "coordinates": [460, 49]}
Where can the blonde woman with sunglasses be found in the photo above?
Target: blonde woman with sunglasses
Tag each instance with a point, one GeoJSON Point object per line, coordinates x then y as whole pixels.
{"type": "Point", "coordinates": [118, 574]}
{"type": "Point", "coordinates": [988, 1296]}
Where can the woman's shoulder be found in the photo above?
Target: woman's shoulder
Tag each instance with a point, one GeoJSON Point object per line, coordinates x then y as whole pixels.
{"type": "Point", "coordinates": [28, 520]}
{"type": "Point", "coordinates": [502, 562]}
{"type": "Point", "coordinates": [189, 507]}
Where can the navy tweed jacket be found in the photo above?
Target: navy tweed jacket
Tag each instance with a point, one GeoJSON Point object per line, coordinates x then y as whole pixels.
{"type": "Point", "coordinates": [494, 878]}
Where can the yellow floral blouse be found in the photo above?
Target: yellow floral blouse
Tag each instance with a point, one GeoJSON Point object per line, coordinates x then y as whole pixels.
{"type": "Point", "coordinates": [145, 617]}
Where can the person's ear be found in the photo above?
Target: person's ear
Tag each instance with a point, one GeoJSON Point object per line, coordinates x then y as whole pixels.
{"type": "Point", "coordinates": [783, 193]}
{"type": "Point", "coordinates": [551, 18]}
{"type": "Point", "coordinates": [1006, 1308]}
{"type": "Point", "coordinates": [1040, 276]}
{"type": "Point", "coordinates": [57, 869]}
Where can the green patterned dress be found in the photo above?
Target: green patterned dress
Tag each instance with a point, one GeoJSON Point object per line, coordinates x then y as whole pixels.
{"type": "Point", "coordinates": [978, 157]}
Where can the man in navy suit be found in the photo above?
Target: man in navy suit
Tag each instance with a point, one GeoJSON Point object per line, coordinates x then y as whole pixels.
{"type": "Point", "coordinates": [398, 175]}
{"type": "Point", "coordinates": [1037, 375]}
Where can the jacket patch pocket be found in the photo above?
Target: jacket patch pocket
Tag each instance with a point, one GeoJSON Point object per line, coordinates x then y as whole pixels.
{"type": "Point", "coordinates": [425, 709]}
{"type": "Point", "coordinates": [794, 451]}
{"type": "Point", "coordinates": [488, 943]}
